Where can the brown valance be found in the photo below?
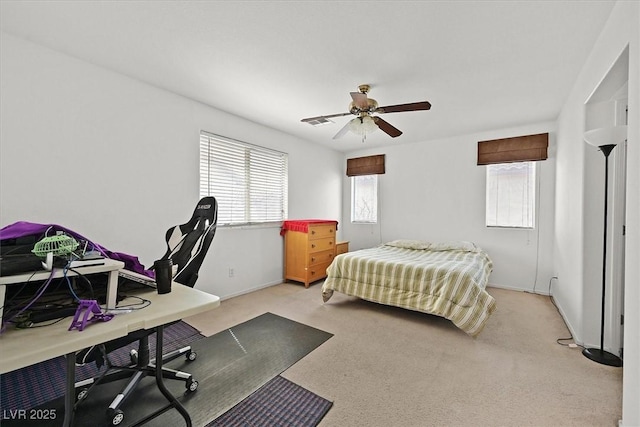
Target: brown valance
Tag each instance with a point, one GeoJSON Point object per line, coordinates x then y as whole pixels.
{"type": "Point", "coordinates": [369, 165]}
{"type": "Point", "coordinates": [518, 149]}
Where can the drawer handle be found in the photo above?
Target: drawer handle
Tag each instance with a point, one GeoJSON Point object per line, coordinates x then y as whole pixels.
{"type": "Point", "coordinates": [313, 245]}
{"type": "Point", "coordinates": [331, 230]}
{"type": "Point", "coordinates": [313, 231]}
{"type": "Point", "coordinates": [313, 272]}
{"type": "Point", "coordinates": [313, 258]}
{"type": "Point", "coordinates": [330, 243]}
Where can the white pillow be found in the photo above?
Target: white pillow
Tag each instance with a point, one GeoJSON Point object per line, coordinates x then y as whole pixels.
{"type": "Point", "coordinates": [443, 246]}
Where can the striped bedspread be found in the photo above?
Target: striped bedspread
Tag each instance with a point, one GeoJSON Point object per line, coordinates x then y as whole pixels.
{"type": "Point", "coordinates": [444, 279]}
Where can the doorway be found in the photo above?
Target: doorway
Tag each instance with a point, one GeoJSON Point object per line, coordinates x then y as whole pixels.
{"type": "Point", "coordinates": [607, 106]}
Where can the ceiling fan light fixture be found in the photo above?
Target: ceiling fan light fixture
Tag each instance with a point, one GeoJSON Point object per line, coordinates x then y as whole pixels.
{"type": "Point", "coordinates": [362, 126]}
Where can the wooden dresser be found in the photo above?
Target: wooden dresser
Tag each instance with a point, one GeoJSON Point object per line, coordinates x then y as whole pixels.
{"type": "Point", "coordinates": [309, 248]}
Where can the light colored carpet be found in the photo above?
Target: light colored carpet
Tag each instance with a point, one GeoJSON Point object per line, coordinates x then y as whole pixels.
{"type": "Point", "coordinates": [386, 366]}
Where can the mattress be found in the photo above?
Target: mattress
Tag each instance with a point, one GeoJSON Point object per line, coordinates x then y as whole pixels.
{"type": "Point", "coordinates": [443, 279]}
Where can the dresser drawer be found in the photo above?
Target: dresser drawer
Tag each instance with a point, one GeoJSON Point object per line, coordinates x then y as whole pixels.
{"type": "Point", "coordinates": [319, 245]}
{"type": "Point", "coordinates": [317, 272]}
{"type": "Point", "coordinates": [321, 231]}
{"type": "Point", "coordinates": [320, 257]}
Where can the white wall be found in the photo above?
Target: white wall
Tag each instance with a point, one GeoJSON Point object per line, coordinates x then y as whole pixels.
{"type": "Point", "coordinates": [116, 160]}
{"type": "Point", "coordinates": [574, 176]}
{"type": "Point", "coordinates": [435, 191]}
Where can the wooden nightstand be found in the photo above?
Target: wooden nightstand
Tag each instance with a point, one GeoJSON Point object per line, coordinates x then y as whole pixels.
{"type": "Point", "coordinates": [342, 247]}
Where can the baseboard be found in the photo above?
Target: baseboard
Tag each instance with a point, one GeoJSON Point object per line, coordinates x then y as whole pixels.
{"type": "Point", "coordinates": [248, 291]}
{"type": "Point", "coordinates": [555, 302]}
{"type": "Point", "coordinates": [567, 324]}
{"type": "Point", "coordinates": [512, 288]}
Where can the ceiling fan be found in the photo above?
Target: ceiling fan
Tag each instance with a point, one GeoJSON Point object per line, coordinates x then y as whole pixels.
{"type": "Point", "coordinates": [363, 107]}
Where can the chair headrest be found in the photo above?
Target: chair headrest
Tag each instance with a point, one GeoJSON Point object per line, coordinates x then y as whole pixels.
{"type": "Point", "coordinates": [206, 208]}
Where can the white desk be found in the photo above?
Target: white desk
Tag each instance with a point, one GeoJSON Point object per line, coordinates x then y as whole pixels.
{"type": "Point", "coordinates": [24, 347]}
{"type": "Point", "coordinates": [110, 266]}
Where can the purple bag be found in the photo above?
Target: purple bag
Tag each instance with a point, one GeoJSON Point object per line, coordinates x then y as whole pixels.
{"type": "Point", "coordinates": [23, 228]}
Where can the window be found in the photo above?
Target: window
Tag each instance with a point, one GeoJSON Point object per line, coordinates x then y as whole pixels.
{"type": "Point", "coordinates": [511, 195]}
{"type": "Point", "coordinates": [249, 182]}
{"type": "Point", "coordinates": [364, 173]}
{"type": "Point", "coordinates": [364, 198]}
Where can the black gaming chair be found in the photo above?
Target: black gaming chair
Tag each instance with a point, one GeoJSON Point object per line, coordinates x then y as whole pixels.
{"type": "Point", "coordinates": [187, 246]}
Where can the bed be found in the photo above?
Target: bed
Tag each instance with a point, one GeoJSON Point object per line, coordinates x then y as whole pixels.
{"type": "Point", "coordinates": [444, 279]}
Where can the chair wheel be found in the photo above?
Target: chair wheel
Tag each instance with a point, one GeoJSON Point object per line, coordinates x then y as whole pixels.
{"type": "Point", "coordinates": [133, 356]}
{"type": "Point", "coordinates": [192, 385]}
{"type": "Point", "coordinates": [82, 394]}
{"type": "Point", "coordinates": [191, 355]}
{"type": "Point", "coordinates": [114, 416]}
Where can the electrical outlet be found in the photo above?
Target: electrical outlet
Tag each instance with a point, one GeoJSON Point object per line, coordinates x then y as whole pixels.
{"type": "Point", "coordinates": [231, 272]}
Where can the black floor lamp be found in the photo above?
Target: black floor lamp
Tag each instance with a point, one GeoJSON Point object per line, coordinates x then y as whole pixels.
{"type": "Point", "coordinates": [606, 139]}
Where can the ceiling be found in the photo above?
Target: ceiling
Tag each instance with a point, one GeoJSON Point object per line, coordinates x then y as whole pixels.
{"type": "Point", "coordinates": [483, 65]}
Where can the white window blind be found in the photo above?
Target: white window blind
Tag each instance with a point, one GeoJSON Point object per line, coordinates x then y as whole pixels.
{"type": "Point", "coordinates": [511, 195]}
{"type": "Point", "coordinates": [249, 182]}
{"type": "Point", "coordinates": [364, 198]}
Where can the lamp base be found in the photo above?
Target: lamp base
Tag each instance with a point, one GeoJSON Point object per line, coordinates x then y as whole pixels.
{"type": "Point", "coordinates": [602, 357]}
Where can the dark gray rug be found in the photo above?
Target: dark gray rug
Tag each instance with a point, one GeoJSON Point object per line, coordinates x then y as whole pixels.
{"type": "Point", "coordinates": [230, 366]}
{"type": "Point", "coordinates": [278, 403]}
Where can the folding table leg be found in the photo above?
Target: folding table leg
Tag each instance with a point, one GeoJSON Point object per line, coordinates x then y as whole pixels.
{"type": "Point", "coordinates": [69, 395]}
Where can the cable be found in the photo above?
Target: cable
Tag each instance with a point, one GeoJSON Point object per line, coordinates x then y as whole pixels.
{"type": "Point", "coordinates": [132, 307]}
{"type": "Point", "coordinates": [570, 338]}
{"type": "Point", "coordinates": [535, 280]}
{"type": "Point", "coordinates": [39, 325]}
{"type": "Point", "coordinates": [18, 292]}
{"type": "Point", "coordinates": [38, 306]}
{"type": "Point", "coordinates": [38, 295]}
{"type": "Point", "coordinates": [570, 345]}
{"type": "Point", "coordinates": [40, 288]}
{"type": "Point", "coordinates": [83, 277]}
{"type": "Point", "coordinates": [66, 277]}
{"type": "Point", "coordinates": [379, 208]}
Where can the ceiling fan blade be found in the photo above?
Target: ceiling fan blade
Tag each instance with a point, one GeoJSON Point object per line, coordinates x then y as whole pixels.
{"type": "Point", "coordinates": [311, 119]}
{"type": "Point", "coordinates": [387, 128]}
{"type": "Point", "coordinates": [360, 99]}
{"type": "Point", "coordinates": [342, 131]}
{"type": "Point", "coordinates": [414, 106]}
